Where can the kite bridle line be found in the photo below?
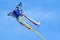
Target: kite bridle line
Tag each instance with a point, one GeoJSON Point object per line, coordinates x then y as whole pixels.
{"type": "Point", "coordinates": [28, 26]}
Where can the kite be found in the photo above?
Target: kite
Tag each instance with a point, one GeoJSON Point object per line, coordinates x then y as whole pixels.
{"type": "Point", "coordinates": [18, 14]}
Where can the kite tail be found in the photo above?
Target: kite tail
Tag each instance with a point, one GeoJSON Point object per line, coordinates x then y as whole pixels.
{"type": "Point", "coordinates": [24, 22]}
{"type": "Point", "coordinates": [28, 26]}
{"type": "Point", "coordinates": [39, 34]}
{"type": "Point", "coordinates": [33, 21]}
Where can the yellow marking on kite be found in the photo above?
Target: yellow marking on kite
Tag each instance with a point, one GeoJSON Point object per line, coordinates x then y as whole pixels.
{"type": "Point", "coordinates": [38, 33]}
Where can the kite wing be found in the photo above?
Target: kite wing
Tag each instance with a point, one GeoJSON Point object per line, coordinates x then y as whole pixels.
{"type": "Point", "coordinates": [10, 14]}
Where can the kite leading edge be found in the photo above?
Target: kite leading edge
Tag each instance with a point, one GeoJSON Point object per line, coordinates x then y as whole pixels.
{"type": "Point", "coordinates": [18, 13]}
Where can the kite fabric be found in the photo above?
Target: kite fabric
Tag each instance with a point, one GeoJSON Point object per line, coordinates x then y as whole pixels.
{"type": "Point", "coordinates": [29, 27]}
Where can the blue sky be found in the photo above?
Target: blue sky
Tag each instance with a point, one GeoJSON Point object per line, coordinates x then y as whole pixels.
{"type": "Point", "coordinates": [47, 12]}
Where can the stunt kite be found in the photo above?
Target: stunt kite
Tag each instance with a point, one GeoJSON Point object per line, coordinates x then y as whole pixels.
{"type": "Point", "coordinates": [18, 13]}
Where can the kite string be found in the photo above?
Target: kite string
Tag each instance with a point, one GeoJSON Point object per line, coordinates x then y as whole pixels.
{"type": "Point", "coordinates": [32, 29]}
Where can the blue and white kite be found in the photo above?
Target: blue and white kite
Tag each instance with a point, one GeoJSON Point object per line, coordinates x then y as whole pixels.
{"type": "Point", "coordinates": [18, 14]}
